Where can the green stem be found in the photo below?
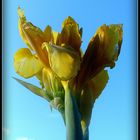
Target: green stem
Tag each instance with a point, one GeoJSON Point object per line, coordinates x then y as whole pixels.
{"type": "Point", "coordinates": [72, 117]}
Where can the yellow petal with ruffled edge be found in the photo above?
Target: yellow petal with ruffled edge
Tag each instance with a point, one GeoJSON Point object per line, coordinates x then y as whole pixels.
{"type": "Point", "coordinates": [71, 34]}
{"type": "Point", "coordinates": [103, 50]}
{"type": "Point", "coordinates": [26, 64]}
{"type": "Point", "coordinates": [48, 33]}
{"type": "Point", "coordinates": [33, 36]}
{"type": "Point", "coordinates": [110, 37]}
{"type": "Point", "coordinates": [69, 21]}
{"type": "Point", "coordinates": [65, 62]}
{"type": "Point", "coordinates": [22, 20]}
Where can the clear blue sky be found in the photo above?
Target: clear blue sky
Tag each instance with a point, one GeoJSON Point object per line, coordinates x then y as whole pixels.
{"type": "Point", "coordinates": [27, 116]}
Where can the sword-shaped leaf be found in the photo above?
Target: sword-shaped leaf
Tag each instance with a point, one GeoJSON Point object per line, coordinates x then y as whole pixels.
{"type": "Point", "coordinates": [38, 91]}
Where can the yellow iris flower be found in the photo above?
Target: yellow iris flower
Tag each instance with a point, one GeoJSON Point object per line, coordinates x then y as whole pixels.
{"type": "Point", "coordinates": [55, 57]}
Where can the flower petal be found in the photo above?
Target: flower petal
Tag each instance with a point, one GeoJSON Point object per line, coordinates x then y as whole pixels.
{"type": "Point", "coordinates": [56, 38]}
{"type": "Point", "coordinates": [90, 93]}
{"type": "Point", "coordinates": [26, 64]}
{"type": "Point", "coordinates": [22, 20]}
{"type": "Point", "coordinates": [103, 50]}
{"type": "Point", "coordinates": [75, 38]}
{"type": "Point", "coordinates": [64, 61]}
{"type": "Point", "coordinates": [48, 33]}
{"type": "Point", "coordinates": [33, 37]}
{"type": "Point", "coordinates": [71, 34]}
{"type": "Point", "coordinates": [86, 105]}
{"type": "Point", "coordinates": [69, 21]}
{"type": "Point", "coordinates": [64, 36]}
{"type": "Point", "coordinates": [98, 83]}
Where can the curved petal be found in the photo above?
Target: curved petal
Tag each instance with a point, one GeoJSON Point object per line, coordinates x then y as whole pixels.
{"type": "Point", "coordinates": [103, 50]}
{"type": "Point", "coordinates": [98, 83]}
{"type": "Point", "coordinates": [26, 64]}
{"type": "Point", "coordinates": [56, 38]}
{"type": "Point", "coordinates": [48, 33]}
{"type": "Point", "coordinates": [33, 37]}
{"type": "Point", "coordinates": [90, 93]}
{"type": "Point", "coordinates": [75, 38]}
{"type": "Point", "coordinates": [70, 21]}
{"type": "Point", "coordinates": [86, 105]}
{"type": "Point", "coordinates": [71, 34]}
{"type": "Point", "coordinates": [22, 20]}
{"type": "Point", "coordinates": [110, 38]}
{"type": "Point", "coordinates": [64, 61]}
{"type": "Point", "coordinates": [64, 36]}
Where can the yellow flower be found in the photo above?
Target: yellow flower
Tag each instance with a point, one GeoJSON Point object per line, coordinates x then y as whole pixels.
{"type": "Point", "coordinates": [56, 59]}
{"type": "Point", "coordinates": [62, 49]}
{"type": "Point", "coordinates": [51, 57]}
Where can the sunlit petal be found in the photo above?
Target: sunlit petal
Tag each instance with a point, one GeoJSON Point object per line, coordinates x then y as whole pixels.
{"type": "Point", "coordinates": [64, 61]}
{"type": "Point", "coordinates": [26, 64]}
{"type": "Point", "coordinates": [21, 21]}
{"type": "Point", "coordinates": [33, 36]}
{"type": "Point", "coordinates": [103, 50]}
{"type": "Point", "coordinates": [56, 38]}
{"type": "Point", "coordinates": [69, 21]}
{"type": "Point", "coordinates": [71, 34]}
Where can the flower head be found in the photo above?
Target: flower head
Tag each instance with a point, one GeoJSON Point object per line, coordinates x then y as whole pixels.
{"type": "Point", "coordinates": [55, 58]}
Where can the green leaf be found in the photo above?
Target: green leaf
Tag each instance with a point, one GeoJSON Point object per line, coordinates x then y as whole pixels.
{"type": "Point", "coordinates": [38, 91]}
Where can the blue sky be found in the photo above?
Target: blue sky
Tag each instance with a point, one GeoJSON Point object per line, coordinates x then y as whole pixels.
{"type": "Point", "coordinates": [27, 116]}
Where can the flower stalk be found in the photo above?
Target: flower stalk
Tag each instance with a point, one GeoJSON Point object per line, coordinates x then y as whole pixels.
{"type": "Point", "coordinates": [72, 116]}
